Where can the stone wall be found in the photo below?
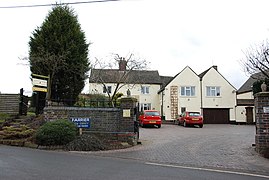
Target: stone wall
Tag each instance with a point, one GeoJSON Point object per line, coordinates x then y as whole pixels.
{"type": "Point", "coordinates": [111, 124]}
{"type": "Point", "coordinates": [262, 123]}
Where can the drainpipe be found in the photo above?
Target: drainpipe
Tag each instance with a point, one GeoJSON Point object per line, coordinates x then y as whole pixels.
{"type": "Point", "coordinates": [201, 91]}
{"type": "Point", "coordinates": [162, 106]}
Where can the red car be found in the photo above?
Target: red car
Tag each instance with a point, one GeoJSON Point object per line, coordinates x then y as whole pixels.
{"type": "Point", "coordinates": [190, 118]}
{"type": "Point", "coordinates": [150, 117]}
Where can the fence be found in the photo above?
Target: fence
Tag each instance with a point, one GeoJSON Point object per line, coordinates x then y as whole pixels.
{"type": "Point", "coordinates": [14, 104]}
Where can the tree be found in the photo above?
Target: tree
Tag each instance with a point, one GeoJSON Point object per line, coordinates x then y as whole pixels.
{"type": "Point", "coordinates": [124, 76]}
{"type": "Point", "coordinates": [257, 59]}
{"type": "Point", "coordinates": [58, 49]}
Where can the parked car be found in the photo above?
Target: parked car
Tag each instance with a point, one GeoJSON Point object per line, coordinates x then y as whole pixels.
{"type": "Point", "coordinates": [190, 118]}
{"type": "Point", "coordinates": [150, 118]}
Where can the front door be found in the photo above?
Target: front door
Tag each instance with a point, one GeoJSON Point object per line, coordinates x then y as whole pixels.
{"type": "Point", "coordinates": [249, 115]}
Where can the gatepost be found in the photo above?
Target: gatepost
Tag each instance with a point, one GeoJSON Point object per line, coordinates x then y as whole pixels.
{"type": "Point", "coordinates": [129, 117]}
{"type": "Point", "coordinates": [262, 123]}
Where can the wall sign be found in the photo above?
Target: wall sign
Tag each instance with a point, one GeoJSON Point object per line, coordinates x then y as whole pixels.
{"type": "Point", "coordinates": [265, 109]}
{"type": "Point", "coordinates": [81, 122]}
{"type": "Point", "coordinates": [126, 113]}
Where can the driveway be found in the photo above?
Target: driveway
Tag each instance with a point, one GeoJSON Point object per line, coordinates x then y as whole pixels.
{"type": "Point", "coordinates": [226, 147]}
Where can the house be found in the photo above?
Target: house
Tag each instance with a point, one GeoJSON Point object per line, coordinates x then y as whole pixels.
{"type": "Point", "coordinates": [209, 92]}
{"type": "Point", "coordinates": [142, 84]}
{"type": "Point", "coordinates": [245, 112]}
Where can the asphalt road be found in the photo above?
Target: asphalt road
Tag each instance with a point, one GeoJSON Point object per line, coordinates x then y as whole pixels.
{"type": "Point", "coordinates": [25, 163]}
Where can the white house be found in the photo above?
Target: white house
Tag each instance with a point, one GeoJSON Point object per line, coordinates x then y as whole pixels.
{"type": "Point", "coordinates": [142, 84]}
{"type": "Point", "coordinates": [209, 92]}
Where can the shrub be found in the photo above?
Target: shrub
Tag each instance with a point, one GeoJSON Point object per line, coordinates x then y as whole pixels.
{"type": "Point", "coordinates": [86, 142]}
{"type": "Point", "coordinates": [59, 132]}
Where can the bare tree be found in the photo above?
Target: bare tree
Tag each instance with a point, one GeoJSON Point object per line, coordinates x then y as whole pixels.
{"type": "Point", "coordinates": [124, 76]}
{"type": "Point", "coordinates": [257, 59]}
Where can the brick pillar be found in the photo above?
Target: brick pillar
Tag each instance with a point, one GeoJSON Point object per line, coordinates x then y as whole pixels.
{"type": "Point", "coordinates": [262, 123]}
{"type": "Point", "coordinates": [128, 106]}
{"type": "Point", "coordinates": [128, 120]}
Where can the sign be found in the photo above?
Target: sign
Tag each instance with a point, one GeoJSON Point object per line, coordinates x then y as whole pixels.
{"type": "Point", "coordinates": [126, 113]}
{"type": "Point", "coordinates": [39, 89]}
{"type": "Point", "coordinates": [81, 122]}
{"type": "Point", "coordinates": [265, 109]}
{"type": "Point", "coordinates": [39, 82]}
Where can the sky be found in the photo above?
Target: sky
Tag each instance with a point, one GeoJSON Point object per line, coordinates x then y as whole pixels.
{"type": "Point", "coordinates": [170, 34]}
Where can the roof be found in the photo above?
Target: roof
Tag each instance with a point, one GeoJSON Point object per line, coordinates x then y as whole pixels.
{"type": "Point", "coordinates": [247, 86]}
{"type": "Point", "coordinates": [216, 68]}
{"type": "Point", "coordinates": [165, 80]}
{"type": "Point", "coordinates": [204, 73]}
{"type": "Point", "coordinates": [132, 77]}
{"type": "Point", "coordinates": [172, 78]}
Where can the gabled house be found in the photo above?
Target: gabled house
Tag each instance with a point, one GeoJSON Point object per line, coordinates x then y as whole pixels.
{"type": "Point", "coordinates": [209, 93]}
{"type": "Point", "coordinates": [180, 94]}
{"type": "Point", "coordinates": [218, 97]}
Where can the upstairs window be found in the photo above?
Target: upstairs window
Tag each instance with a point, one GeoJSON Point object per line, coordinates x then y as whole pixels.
{"type": "Point", "coordinates": [212, 91]}
{"type": "Point", "coordinates": [188, 91]}
{"type": "Point", "coordinates": [145, 90]}
{"type": "Point", "coordinates": [107, 89]}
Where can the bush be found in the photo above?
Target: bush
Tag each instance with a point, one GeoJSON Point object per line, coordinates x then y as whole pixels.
{"type": "Point", "coordinates": [59, 132]}
{"type": "Point", "coordinates": [86, 142]}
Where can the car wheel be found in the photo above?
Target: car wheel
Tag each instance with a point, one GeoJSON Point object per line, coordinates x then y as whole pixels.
{"type": "Point", "coordinates": [142, 124]}
{"type": "Point", "coordinates": [201, 125]}
{"type": "Point", "coordinates": [159, 126]}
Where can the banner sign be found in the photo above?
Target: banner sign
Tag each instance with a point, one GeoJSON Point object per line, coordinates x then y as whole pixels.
{"type": "Point", "coordinates": [81, 122]}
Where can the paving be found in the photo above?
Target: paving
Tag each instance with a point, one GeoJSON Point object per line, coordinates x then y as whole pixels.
{"type": "Point", "coordinates": [228, 147]}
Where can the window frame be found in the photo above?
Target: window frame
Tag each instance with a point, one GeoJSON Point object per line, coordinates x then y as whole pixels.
{"type": "Point", "coordinates": [213, 91]}
{"type": "Point", "coordinates": [107, 89]}
{"type": "Point", "coordinates": [185, 89]}
{"type": "Point", "coordinates": [144, 89]}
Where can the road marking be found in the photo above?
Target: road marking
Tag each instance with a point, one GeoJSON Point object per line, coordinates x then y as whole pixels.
{"type": "Point", "coordinates": [205, 169]}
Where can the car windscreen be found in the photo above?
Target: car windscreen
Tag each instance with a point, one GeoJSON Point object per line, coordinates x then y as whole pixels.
{"type": "Point", "coordinates": [152, 113]}
{"type": "Point", "coordinates": [194, 114]}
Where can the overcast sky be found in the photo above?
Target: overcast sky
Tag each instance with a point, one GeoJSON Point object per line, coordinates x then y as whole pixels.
{"type": "Point", "coordinates": [171, 34]}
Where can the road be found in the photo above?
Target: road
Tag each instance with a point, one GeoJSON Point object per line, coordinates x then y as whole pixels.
{"type": "Point", "coordinates": [25, 163]}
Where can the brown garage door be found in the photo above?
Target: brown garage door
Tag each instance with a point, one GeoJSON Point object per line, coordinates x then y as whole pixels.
{"type": "Point", "coordinates": [216, 116]}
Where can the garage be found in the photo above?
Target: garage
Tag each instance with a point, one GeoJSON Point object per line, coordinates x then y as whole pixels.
{"type": "Point", "coordinates": [216, 115]}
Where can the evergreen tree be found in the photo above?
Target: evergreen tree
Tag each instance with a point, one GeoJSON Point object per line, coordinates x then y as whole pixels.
{"type": "Point", "coordinates": [58, 49]}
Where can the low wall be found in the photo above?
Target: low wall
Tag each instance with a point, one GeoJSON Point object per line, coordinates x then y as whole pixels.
{"type": "Point", "coordinates": [111, 124]}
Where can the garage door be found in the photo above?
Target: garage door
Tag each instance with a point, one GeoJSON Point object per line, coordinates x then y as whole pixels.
{"type": "Point", "coordinates": [216, 116]}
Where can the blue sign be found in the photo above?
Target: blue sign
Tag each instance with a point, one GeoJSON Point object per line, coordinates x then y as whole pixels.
{"type": "Point", "coordinates": [81, 122]}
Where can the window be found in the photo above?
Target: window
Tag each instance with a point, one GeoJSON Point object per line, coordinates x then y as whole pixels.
{"type": "Point", "coordinates": [212, 91]}
{"type": "Point", "coordinates": [145, 106]}
{"type": "Point", "coordinates": [107, 89]}
{"type": "Point", "coordinates": [187, 91]}
{"type": "Point", "coordinates": [145, 90]}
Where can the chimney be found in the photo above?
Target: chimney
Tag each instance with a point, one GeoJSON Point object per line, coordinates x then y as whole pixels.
{"type": "Point", "coordinates": [215, 67]}
{"type": "Point", "coordinates": [122, 64]}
